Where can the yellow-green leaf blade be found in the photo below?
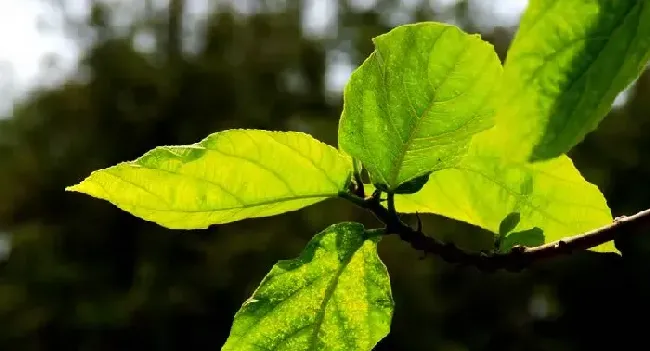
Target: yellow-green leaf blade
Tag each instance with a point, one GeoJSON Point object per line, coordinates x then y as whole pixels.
{"type": "Point", "coordinates": [228, 176]}
{"type": "Point", "coordinates": [334, 296]}
{"type": "Point", "coordinates": [485, 188]}
{"type": "Point", "coordinates": [566, 65]}
{"type": "Point", "coordinates": [414, 104]}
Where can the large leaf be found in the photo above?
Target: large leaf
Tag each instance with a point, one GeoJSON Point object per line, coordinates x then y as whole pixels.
{"type": "Point", "coordinates": [414, 104]}
{"type": "Point", "coordinates": [334, 296]}
{"type": "Point", "coordinates": [228, 176]}
{"type": "Point", "coordinates": [566, 65]}
{"type": "Point", "coordinates": [486, 188]}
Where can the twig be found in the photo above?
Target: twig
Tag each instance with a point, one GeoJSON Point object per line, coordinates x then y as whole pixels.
{"type": "Point", "coordinates": [515, 260]}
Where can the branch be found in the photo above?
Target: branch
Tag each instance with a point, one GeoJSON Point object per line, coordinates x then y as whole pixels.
{"type": "Point", "coordinates": [515, 260]}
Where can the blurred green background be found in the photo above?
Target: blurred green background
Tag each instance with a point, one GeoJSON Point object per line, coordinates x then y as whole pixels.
{"type": "Point", "coordinates": [76, 273]}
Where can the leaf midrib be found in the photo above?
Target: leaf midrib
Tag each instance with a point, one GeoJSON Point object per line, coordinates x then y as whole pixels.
{"type": "Point", "coordinates": [243, 205]}
{"type": "Point", "coordinates": [580, 76]}
{"type": "Point", "coordinates": [411, 134]}
{"type": "Point", "coordinates": [329, 293]}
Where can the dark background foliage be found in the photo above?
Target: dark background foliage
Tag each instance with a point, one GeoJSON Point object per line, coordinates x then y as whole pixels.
{"type": "Point", "coordinates": [83, 275]}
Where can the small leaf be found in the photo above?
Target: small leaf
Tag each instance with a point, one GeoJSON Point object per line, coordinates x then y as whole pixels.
{"type": "Point", "coordinates": [334, 296]}
{"type": "Point", "coordinates": [410, 187]}
{"type": "Point", "coordinates": [485, 188]}
{"type": "Point", "coordinates": [530, 238]}
{"type": "Point", "coordinates": [566, 65]}
{"type": "Point", "coordinates": [229, 176]}
{"type": "Point", "coordinates": [509, 223]}
{"type": "Point", "coordinates": [413, 185]}
{"type": "Point", "coordinates": [412, 107]}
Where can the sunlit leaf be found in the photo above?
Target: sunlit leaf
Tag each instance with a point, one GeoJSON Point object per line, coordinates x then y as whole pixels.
{"type": "Point", "coordinates": [486, 187]}
{"type": "Point", "coordinates": [334, 296]}
{"type": "Point", "coordinates": [229, 176]}
{"type": "Point", "coordinates": [414, 104]}
{"type": "Point", "coordinates": [566, 65]}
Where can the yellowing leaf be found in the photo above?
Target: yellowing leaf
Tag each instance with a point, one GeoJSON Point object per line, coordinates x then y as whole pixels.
{"type": "Point", "coordinates": [229, 176]}
{"type": "Point", "coordinates": [486, 188]}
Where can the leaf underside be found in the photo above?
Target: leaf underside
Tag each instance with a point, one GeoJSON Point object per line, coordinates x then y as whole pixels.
{"type": "Point", "coordinates": [566, 65]}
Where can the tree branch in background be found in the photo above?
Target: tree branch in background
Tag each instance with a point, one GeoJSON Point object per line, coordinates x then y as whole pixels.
{"type": "Point", "coordinates": [175, 32]}
{"type": "Point", "coordinates": [515, 260]}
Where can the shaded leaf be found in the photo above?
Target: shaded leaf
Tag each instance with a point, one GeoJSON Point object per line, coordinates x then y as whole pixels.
{"type": "Point", "coordinates": [334, 296]}
{"type": "Point", "coordinates": [229, 176]}
{"type": "Point", "coordinates": [410, 187]}
{"type": "Point", "coordinates": [509, 223]}
{"type": "Point", "coordinates": [414, 185]}
{"type": "Point", "coordinates": [565, 66]}
{"type": "Point", "coordinates": [414, 104]}
{"type": "Point", "coordinates": [530, 237]}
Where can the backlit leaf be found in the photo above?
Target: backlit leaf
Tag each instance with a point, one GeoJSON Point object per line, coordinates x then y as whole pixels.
{"type": "Point", "coordinates": [229, 176]}
{"type": "Point", "coordinates": [486, 187]}
{"type": "Point", "coordinates": [566, 65]}
{"type": "Point", "coordinates": [412, 107]}
{"type": "Point", "coordinates": [334, 296]}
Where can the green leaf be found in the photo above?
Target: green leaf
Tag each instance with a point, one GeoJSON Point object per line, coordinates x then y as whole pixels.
{"type": "Point", "coordinates": [530, 237]}
{"type": "Point", "coordinates": [485, 188]}
{"type": "Point", "coordinates": [566, 65]}
{"type": "Point", "coordinates": [334, 296]}
{"type": "Point", "coordinates": [414, 185]}
{"type": "Point", "coordinates": [509, 223]}
{"type": "Point", "coordinates": [228, 176]}
{"type": "Point", "coordinates": [414, 104]}
{"type": "Point", "coordinates": [410, 187]}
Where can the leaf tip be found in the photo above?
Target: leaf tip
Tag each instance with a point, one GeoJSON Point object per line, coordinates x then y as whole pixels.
{"type": "Point", "coordinates": [73, 188]}
{"type": "Point", "coordinates": [85, 186]}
